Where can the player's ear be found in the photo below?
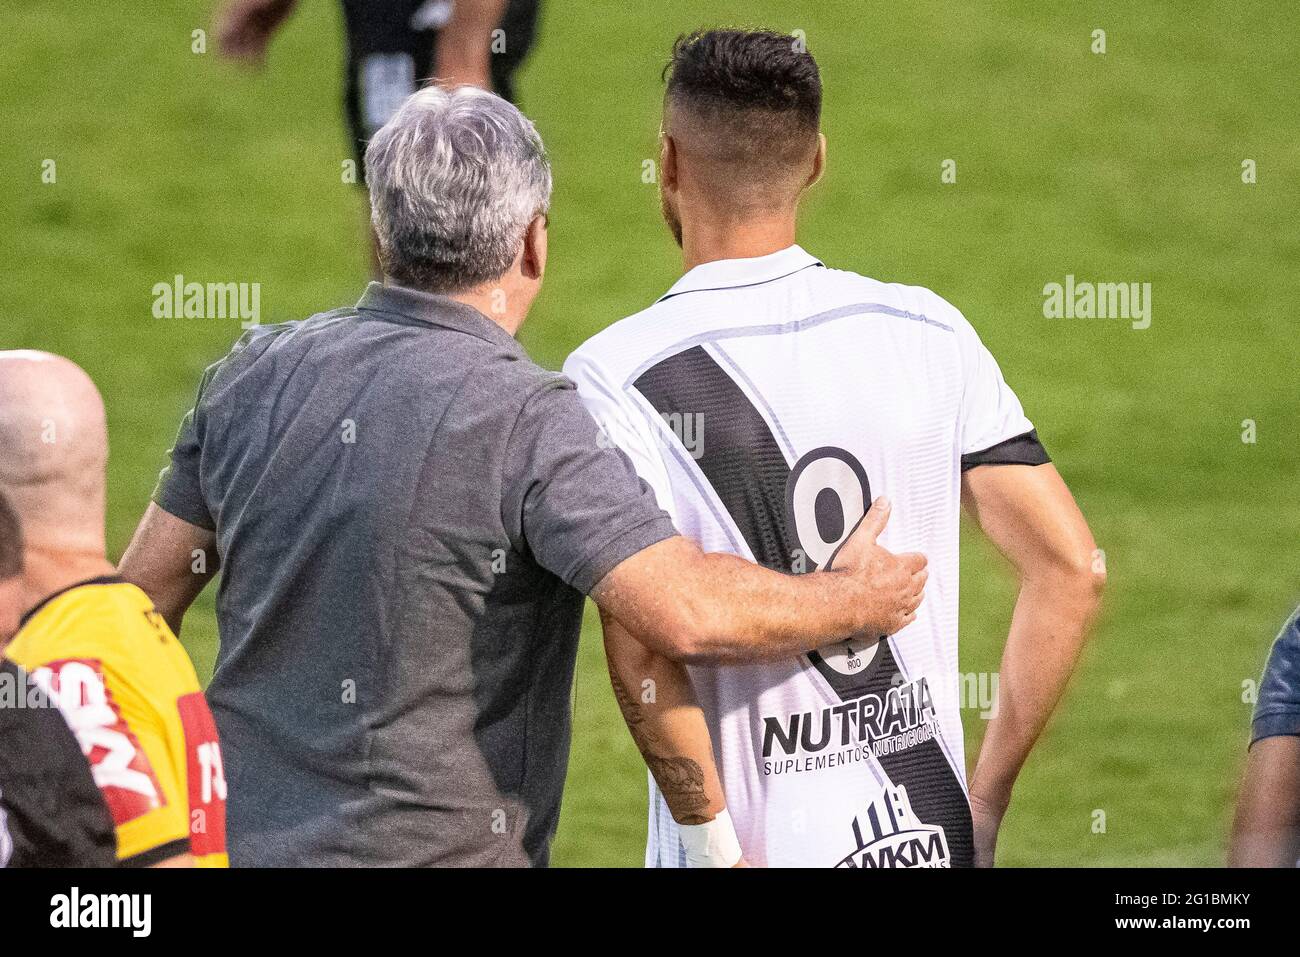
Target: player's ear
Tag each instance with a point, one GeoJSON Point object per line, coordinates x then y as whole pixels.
{"type": "Point", "coordinates": [667, 163]}
{"type": "Point", "coordinates": [819, 162]}
{"type": "Point", "coordinates": [533, 262]}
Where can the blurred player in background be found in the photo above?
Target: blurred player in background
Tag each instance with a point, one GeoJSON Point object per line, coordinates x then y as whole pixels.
{"type": "Point", "coordinates": [396, 46]}
{"type": "Point", "coordinates": [1267, 828]}
{"type": "Point", "coordinates": [766, 399]}
{"type": "Point", "coordinates": [93, 642]}
{"type": "Point", "coordinates": [51, 813]}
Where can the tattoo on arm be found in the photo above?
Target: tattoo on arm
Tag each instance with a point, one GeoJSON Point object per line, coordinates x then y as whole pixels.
{"type": "Point", "coordinates": [679, 778]}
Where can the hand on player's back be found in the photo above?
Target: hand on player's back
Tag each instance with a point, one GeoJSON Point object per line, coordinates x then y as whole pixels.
{"type": "Point", "coordinates": [892, 585]}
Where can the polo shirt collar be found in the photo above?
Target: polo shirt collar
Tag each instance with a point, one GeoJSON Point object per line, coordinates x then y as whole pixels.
{"type": "Point", "coordinates": [434, 309]}
{"type": "Point", "coordinates": [735, 273]}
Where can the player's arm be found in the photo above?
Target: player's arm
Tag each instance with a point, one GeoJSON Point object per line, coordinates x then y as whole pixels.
{"type": "Point", "coordinates": [688, 605]}
{"type": "Point", "coordinates": [1029, 514]}
{"type": "Point", "coordinates": [659, 706]}
{"type": "Point", "coordinates": [463, 49]}
{"type": "Point", "coordinates": [171, 561]}
{"type": "Point", "coordinates": [1266, 831]}
{"type": "Point", "coordinates": [245, 27]}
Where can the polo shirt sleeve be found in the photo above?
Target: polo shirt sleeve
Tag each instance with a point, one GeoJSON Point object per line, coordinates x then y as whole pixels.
{"type": "Point", "coordinates": [569, 498]}
{"type": "Point", "coordinates": [623, 425]}
{"type": "Point", "coordinates": [1278, 710]}
{"type": "Point", "coordinates": [994, 429]}
{"type": "Point", "coordinates": [179, 490]}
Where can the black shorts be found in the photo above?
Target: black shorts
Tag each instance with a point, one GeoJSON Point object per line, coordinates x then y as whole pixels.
{"type": "Point", "coordinates": [390, 55]}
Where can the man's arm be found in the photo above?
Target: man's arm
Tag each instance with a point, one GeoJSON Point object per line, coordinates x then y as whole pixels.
{"type": "Point", "coordinates": [1030, 515]}
{"type": "Point", "coordinates": [463, 49]}
{"type": "Point", "coordinates": [171, 561]}
{"type": "Point", "coordinates": [245, 27]}
{"type": "Point", "coordinates": [687, 605]}
{"type": "Point", "coordinates": [1266, 830]}
{"type": "Point", "coordinates": [667, 724]}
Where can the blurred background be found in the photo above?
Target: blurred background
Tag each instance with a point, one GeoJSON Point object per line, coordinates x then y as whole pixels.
{"type": "Point", "coordinates": [1181, 440]}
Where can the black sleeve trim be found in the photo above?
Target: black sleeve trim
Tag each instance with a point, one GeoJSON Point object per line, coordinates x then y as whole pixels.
{"type": "Point", "coordinates": [156, 855]}
{"type": "Point", "coordinates": [1021, 450]}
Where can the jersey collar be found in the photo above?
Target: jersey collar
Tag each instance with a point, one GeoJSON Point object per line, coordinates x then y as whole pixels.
{"type": "Point", "coordinates": [736, 273]}
{"type": "Point", "coordinates": [44, 602]}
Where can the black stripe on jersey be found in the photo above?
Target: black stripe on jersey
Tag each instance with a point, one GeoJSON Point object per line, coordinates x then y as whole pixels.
{"type": "Point", "coordinates": [1021, 450]}
{"type": "Point", "coordinates": [156, 855]}
{"type": "Point", "coordinates": [741, 459]}
{"type": "Point", "coordinates": [746, 468]}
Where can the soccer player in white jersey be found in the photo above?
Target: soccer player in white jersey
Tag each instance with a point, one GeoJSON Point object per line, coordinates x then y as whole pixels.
{"type": "Point", "coordinates": [767, 399]}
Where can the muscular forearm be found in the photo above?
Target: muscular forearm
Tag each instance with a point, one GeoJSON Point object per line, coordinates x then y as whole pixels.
{"type": "Point", "coordinates": [667, 724]}
{"type": "Point", "coordinates": [754, 614]}
{"type": "Point", "coordinates": [689, 606]}
{"type": "Point", "coordinates": [1048, 628]}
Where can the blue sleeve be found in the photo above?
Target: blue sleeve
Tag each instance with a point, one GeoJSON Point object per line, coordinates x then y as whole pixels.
{"type": "Point", "coordinates": [1278, 710]}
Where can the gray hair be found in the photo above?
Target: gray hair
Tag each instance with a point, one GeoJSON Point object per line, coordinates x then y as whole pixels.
{"type": "Point", "coordinates": [455, 178]}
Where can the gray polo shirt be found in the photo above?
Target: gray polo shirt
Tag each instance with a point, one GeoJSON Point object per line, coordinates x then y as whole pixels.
{"type": "Point", "coordinates": [408, 512]}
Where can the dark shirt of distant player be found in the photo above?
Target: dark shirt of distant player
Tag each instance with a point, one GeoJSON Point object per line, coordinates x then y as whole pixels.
{"type": "Point", "coordinates": [1278, 710]}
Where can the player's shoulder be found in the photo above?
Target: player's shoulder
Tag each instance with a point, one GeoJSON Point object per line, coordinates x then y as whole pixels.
{"type": "Point", "coordinates": [107, 621]}
{"type": "Point", "coordinates": [618, 350]}
{"type": "Point", "coordinates": [919, 303]}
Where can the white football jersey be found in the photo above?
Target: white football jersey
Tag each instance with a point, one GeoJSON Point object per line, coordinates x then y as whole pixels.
{"type": "Point", "coordinates": [767, 401]}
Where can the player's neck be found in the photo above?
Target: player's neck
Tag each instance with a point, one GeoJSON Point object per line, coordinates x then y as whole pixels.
{"type": "Point", "coordinates": [47, 571]}
{"type": "Point", "coordinates": [707, 240]}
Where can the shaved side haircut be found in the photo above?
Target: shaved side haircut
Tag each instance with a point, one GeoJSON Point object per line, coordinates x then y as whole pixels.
{"type": "Point", "coordinates": [745, 108]}
{"type": "Point", "coordinates": [11, 541]}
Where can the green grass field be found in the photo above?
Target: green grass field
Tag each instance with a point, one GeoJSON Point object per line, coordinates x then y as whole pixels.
{"type": "Point", "coordinates": [1121, 167]}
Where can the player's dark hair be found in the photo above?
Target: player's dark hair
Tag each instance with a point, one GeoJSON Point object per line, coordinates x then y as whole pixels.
{"type": "Point", "coordinates": [11, 541]}
{"type": "Point", "coordinates": [739, 71]}
{"type": "Point", "coordinates": [748, 105]}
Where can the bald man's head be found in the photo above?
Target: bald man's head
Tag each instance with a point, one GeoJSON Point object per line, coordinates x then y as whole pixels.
{"type": "Point", "coordinates": [53, 450]}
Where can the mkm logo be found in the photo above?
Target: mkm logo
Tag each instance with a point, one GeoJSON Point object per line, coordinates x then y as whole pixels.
{"type": "Point", "coordinates": [897, 838]}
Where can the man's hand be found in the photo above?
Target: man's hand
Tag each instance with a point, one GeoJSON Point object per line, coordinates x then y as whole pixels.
{"type": "Point", "coordinates": [893, 585]}
{"type": "Point", "coordinates": [986, 818]}
{"type": "Point", "coordinates": [245, 28]}
{"type": "Point", "coordinates": [690, 606]}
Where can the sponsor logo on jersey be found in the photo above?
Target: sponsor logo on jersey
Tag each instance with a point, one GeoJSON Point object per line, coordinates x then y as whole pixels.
{"type": "Point", "coordinates": [119, 764]}
{"type": "Point", "coordinates": [893, 837]}
{"type": "Point", "coordinates": [860, 728]}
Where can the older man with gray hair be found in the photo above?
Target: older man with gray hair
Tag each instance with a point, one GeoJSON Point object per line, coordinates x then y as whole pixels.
{"type": "Point", "coordinates": [407, 513]}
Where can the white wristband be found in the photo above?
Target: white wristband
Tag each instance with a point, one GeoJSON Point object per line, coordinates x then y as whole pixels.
{"type": "Point", "coordinates": [711, 844]}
